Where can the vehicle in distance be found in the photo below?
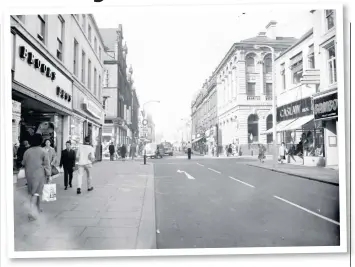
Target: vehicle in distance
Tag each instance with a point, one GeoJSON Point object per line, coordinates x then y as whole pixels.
{"type": "Point", "coordinates": [153, 150]}
{"type": "Point", "coordinates": [168, 148]}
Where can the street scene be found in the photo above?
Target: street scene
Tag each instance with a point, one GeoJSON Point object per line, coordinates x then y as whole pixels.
{"type": "Point", "coordinates": [128, 136]}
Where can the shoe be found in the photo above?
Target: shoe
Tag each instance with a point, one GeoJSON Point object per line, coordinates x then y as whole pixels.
{"type": "Point", "coordinates": [91, 188]}
{"type": "Point", "coordinates": [78, 191]}
{"type": "Point", "coordinates": [70, 186]}
{"type": "Point", "coordinates": [66, 188]}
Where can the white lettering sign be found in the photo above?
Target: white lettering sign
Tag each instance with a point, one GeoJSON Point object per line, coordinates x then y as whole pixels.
{"type": "Point", "coordinates": [327, 106]}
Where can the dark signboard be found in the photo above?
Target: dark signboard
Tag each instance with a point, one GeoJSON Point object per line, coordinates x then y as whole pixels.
{"type": "Point", "coordinates": [326, 106]}
{"type": "Point", "coordinates": [295, 109]}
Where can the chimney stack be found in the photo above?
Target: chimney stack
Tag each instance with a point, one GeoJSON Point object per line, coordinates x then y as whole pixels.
{"type": "Point", "coordinates": [271, 29]}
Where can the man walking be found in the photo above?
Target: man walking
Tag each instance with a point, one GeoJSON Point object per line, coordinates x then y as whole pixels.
{"type": "Point", "coordinates": [85, 157]}
{"type": "Point", "coordinates": [188, 146]}
{"type": "Point", "coordinates": [111, 149]}
{"type": "Point", "coordinates": [67, 161]}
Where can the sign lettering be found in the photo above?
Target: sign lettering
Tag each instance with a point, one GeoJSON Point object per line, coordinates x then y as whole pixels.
{"type": "Point", "coordinates": [295, 110]}
{"type": "Point", "coordinates": [325, 107]}
{"type": "Point", "coordinates": [32, 60]}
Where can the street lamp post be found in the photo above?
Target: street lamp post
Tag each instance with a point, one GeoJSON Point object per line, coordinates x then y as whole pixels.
{"type": "Point", "coordinates": [274, 111]}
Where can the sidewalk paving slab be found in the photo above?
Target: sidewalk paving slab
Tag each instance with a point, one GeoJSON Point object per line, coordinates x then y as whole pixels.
{"type": "Point", "coordinates": [118, 214]}
{"type": "Point", "coordinates": [320, 174]}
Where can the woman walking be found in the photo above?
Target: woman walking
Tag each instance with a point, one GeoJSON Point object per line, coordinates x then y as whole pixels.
{"type": "Point", "coordinates": [51, 155]}
{"type": "Point", "coordinates": [262, 150]}
{"type": "Point", "coordinates": [37, 170]}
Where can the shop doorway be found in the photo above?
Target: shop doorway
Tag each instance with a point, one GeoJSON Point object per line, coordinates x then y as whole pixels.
{"type": "Point", "coordinates": [253, 128]}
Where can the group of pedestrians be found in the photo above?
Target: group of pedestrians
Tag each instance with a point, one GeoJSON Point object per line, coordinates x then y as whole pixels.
{"type": "Point", "coordinates": [121, 151]}
{"type": "Point", "coordinates": [39, 165]}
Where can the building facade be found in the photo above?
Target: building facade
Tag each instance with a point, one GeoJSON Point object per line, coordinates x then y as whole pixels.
{"type": "Point", "coordinates": [307, 95]}
{"type": "Point", "coordinates": [121, 101]}
{"type": "Point", "coordinates": [46, 81]}
{"type": "Point", "coordinates": [244, 91]}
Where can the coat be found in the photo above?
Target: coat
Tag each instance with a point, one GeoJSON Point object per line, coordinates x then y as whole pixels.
{"type": "Point", "coordinates": [67, 159]}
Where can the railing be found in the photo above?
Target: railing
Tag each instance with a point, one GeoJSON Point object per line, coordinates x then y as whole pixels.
{"type": "Point", "coordinates": [253, 97]}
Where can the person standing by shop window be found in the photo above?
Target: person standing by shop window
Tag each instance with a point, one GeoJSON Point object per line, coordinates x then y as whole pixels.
{"type": "Point", "coordinates": [85, 157]}
{"type": "Point", "coordinates": [37, 172]}
{"type": "Point", "coordinates": [67, 161]}
{"type": "Point", "coordinates": [52, 156]}
{"type": "Point", "coordinates": [282, 152]}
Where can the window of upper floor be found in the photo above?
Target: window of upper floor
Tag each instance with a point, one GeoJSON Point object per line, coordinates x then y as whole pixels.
{"type": "Point", "coordinates": [89, 33]}
{"type": "Point", "coordinates": [283, 76]}
{"type": "Point", "coordinates": [42, 25]}
{"type": "Point", "coordinates": [268, 64]}
{"type": "Point", "coordinates": [60, 37]}
{"type": "Point", "coordinates": [331, 63]}
{"type": "Point", "coordinates": [311, 60]}
{"type": "Point", "coordinates": [329, 19]}
{"type": "Point", "coordinates": [83, 23]}
{"type": "Point", "coordinates": [296, 66]}
{"type": "Point", "coordinates": [250, 63]}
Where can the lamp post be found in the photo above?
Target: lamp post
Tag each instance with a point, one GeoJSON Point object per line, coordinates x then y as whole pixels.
{"type": "Point", "coordinates": [274, 111]}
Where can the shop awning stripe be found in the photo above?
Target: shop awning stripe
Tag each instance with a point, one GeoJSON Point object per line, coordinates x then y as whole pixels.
{"type": "Point", "coordinates": [298, 123]}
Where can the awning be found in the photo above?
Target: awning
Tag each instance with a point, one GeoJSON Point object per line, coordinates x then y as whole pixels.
{"type": "Point", "coordinates": [298, 123]}
{"type": "Point", "coordinates": [198, 139]}
{"type": "Point", "coordinates": [279, 127]}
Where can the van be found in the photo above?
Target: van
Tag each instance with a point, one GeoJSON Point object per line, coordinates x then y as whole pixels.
{"type": "Point", "coordinates": [151, 150]}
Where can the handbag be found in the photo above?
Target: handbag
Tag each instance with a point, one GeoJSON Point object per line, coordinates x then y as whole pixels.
{"type": "Point", "coordinates": [54, 171]}
{"type": "Point", "coordinates": [21, 174]}
{"type": "Point", "coordinates": [49, 192]}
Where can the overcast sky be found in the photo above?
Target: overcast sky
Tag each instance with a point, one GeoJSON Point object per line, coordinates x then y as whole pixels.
{"type": "Point", "coordinates": [173, 50]}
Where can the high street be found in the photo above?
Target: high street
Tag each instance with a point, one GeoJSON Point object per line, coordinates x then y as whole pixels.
{"type": "Point", "coordinates": [232, 204]}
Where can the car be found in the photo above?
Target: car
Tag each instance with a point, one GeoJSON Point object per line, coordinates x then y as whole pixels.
{"type": "Point", "coordinates": [152, 149]}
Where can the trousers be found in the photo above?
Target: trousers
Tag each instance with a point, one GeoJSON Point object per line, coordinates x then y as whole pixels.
{"type": "Point", "coordinates": [68, 176]}
{"type": "Point", "coordinates": [81, 170]}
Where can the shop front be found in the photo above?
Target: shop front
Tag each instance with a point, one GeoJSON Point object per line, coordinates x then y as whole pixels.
{"type": "Point", "coordinates": [41, 98]}
{"type": "Point", "coordinates": [304, 139]}
{"type": "Point", "coordinates": [326, 116]}
{"type": "Point", "coordinates": [87, 120]}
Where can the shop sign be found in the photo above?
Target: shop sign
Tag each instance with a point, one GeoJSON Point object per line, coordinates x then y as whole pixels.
{"type": "Point", "coordinates": [92, 108]}
{"type": "Point", "coordinates": [295, 109]}
{"type": "Point", "coordinates": [36, 62]}
{"type": "Point", "coordinates": [326, 106]}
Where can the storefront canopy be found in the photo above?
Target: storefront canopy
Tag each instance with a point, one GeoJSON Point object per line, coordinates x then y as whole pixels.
{"type": "Point", "coordinates": [280, 126]}
{"type": "Point", "coordinates": [298, 123]}
{"type": "Point", "coordinates": [197, 139]}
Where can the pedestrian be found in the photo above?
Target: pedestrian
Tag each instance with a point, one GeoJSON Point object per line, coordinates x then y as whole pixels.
{"type": "Point", "coordinates": [188, 146]}
{"type": "Point", "coordinates": [67, 161]}
{"type": "Point", "coordinates": [133, 149]}
{"type": "Point", "coordinates": [111, 149]}
{"type": "Point", "coordinates": [230, 150]}
{"type": "Point", "coordinates": [20, 152]}
{"type": "Point", "coordinates": [85, 157]}
{"type": "Point", "coordinates": [262, 150]}
{"type": "Point", "coordinates": [282, 152]}
{"type": "Point", "coordinates": [123, 152]}
{"type": "Point", "coordinates": [51, 155]}
{"type": "Point", "coordinates": [37, 172]}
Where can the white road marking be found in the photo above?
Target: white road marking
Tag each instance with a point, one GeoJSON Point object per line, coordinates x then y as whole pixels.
{"type": "Point", "coordinates": [241, 182]}
{"type": "Point", "coordinates": [200, 164]}
{"type": "Point", "coordinates": [187, 175]}
{"type": "Point", "coordinates": [307, 210]}
{"type": "Point", "coordinates": [214, 170]}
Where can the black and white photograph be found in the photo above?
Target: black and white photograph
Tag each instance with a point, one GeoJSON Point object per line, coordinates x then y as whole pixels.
{"type": "Point", "coordinates": [162, 130]}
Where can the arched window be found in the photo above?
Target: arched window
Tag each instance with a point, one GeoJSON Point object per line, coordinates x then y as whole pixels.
{"type": "Point", "coordinates": [250, 62]}
{"type": "Point", "coordinates": [269, 137]}
{"type": "Point", "coordinates": [268, 64]}
{"type": "Point", "coordinates": [253, 128]}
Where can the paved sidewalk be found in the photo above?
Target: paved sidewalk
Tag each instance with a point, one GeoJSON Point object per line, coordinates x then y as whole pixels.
{"type": "Point", "coordinates": [118, 214]}
{"type": "Point", "coordinates": [321, 174]}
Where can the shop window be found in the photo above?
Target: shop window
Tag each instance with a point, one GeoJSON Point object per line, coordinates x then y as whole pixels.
{"type": "Point", "coordinates": [83, 63]}
{"type": "Point", "coordinates": [60, 38]}
{"type": "Point", "coordinates": [42, 28]}
{"type": "Point", "coordinates": [269, 137]}
{"type": "Point", "coordinates": [75, 59]}
{"type": "Point", "coordinates": [331, 62]}
{"type": "Point", "coordinates": [253, 128]}
{"type": "Point", "coordinates": [330, 20]}
{"type": "Point", "coordinates": [250, 61]}
{"type": "Point", "coordinates": [251, 89]}
{"type": "Point", "coordinates": [268, 64]}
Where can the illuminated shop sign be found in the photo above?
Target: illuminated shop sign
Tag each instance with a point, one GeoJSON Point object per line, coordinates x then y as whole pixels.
{"type": "Point", "coordinates": [36, 62]}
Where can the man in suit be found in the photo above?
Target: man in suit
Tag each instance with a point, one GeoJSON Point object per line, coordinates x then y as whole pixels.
{"type": "Point", "coordinates": [111, 149]}
{"type": "Point", "coordinates": [67, 161]}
